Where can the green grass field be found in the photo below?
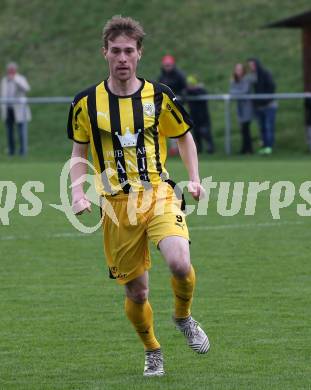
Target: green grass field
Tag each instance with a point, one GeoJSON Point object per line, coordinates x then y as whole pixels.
{"type": "Point", "coordinates": [62, 323]}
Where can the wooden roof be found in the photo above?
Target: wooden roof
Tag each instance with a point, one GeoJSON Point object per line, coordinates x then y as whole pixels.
{"type": "Point", "coordinates": [298, 21]}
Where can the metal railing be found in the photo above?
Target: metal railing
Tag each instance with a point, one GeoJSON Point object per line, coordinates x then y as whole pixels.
{"type": "Point", "coordinates": [226, 98]}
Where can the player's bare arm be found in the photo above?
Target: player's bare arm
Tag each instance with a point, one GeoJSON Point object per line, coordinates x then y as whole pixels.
{"type": "Point", "coordinates": [188, 153]}
{"type": "Point", "coordinates": [80, 203]}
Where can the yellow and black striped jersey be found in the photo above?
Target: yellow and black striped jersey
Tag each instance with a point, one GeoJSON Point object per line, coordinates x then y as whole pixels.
{"type": "Point", "coordinates": [127, 134]}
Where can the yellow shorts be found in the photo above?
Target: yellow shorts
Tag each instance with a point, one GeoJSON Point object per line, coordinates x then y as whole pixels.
{"type": "Point", "coordinates": [130, 221]}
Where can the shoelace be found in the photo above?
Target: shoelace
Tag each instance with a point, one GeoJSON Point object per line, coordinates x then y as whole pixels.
{"type": "Point", "coordinates": [154, 359]}
{"type": "Point", "coordinates": [191, 328]}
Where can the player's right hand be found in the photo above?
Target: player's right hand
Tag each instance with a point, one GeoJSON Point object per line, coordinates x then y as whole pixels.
{"type": "Point", "coordinates": [81, 205]}
{"type": "Point", "coordinates": [196, 190]}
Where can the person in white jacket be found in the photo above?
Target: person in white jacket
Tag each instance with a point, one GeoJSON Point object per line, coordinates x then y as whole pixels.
{"type": "Point", "coordinates": [15, 86]}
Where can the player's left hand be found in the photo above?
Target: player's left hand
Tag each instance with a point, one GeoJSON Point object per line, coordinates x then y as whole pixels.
{"type": "Point", "coordinates": [196, 190]}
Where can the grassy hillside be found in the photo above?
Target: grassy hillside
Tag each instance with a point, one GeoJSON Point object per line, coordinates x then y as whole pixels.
{"type": "Point", "coordinates": [62, 321]}
{"type": "Point", "coordinates": [58, 47]}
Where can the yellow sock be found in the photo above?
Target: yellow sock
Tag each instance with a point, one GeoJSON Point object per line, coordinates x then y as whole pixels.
{"type": "Point", "coordinates": [183, 291]}
{"type": "Point", "coordinates": [141, 316]}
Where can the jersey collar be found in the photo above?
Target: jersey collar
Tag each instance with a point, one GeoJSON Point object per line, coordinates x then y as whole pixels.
{"type": "Point", "coordinates": [136, 93]}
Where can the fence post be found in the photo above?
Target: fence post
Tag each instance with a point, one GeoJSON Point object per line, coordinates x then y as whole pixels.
{"type": "Point", "coordinates": [227, 106]}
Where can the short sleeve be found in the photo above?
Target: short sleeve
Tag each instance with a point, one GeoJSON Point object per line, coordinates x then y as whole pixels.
{"type": "Point", "coordinates": [78, 127]}
{"type": "Point", "coordinates": [174, 121]}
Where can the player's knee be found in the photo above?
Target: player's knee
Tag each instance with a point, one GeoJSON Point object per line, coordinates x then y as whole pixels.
{"type": "Point", "coordinates": [138, 295]}
{"type": "Point", "coordinates": [180, 269]}
{"type": "Point", "coordinates": [179, 263]}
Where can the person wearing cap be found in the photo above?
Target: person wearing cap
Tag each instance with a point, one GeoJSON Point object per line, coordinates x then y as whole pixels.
{"type": "Point", "coordinates": [202, 129]}
{"type": "Point", "coordinates": [15, 86]}
{"type": "Point", "coordinates": [172, 76]}
{"type": "Point", "coordinates": [176, 81]}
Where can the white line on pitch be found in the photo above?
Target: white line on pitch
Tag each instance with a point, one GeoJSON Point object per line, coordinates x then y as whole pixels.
{"type": "Point", "coordinates": [56, 235]}
{"type": "Point", "coordinates": [200, 227]}
{"type": "Point", "coordinates": [247, 225]}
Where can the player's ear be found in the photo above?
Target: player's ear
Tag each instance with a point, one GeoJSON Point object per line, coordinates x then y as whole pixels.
{"type": "Point", "coordinates": [140, 53]}
{"type": "Point", "coordinates": [104, 52]}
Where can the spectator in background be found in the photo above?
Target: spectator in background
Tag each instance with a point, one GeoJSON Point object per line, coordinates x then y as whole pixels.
{"type": "Point", "coordinates": [176, 80]}
{"type": "Point", "coordinates": [172, 76]}
{"type": "Point", "coordinates": [14, 85]}
{"type": "Point", "coordinates": [202, 129]}
{"type": "Point", "coordinates": [265, 109]}
{"type": "Point", "coordinates": [241, 84]}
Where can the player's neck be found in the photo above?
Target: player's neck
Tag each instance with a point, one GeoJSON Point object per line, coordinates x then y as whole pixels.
{"type": "Point", "coordinates": [124, 88]}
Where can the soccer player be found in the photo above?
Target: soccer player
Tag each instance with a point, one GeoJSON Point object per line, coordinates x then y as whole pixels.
{"type": "Point", "coordinates": [126, 120]}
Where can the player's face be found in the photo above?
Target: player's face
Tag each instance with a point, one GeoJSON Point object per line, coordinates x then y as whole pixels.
{"type": "Point", "coordinates": [122, 56]}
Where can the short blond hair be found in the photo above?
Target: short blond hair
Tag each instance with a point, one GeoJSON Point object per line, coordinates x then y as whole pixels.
{"type": "Point", "coordinates": [119, 25]}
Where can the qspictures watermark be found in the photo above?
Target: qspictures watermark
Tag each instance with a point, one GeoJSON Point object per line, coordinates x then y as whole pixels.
{"type": "Point", "coordinates": [231, 198]}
